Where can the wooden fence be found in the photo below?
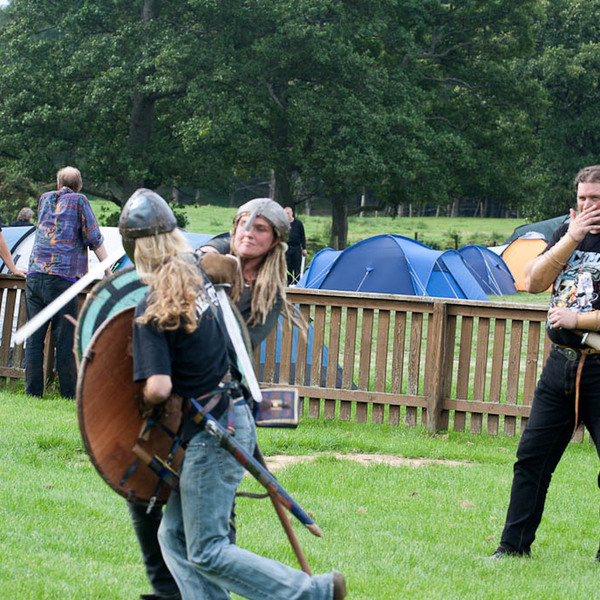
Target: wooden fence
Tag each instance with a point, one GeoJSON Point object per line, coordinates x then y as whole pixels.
{"type": "Point", "coordinates": [450, 364]}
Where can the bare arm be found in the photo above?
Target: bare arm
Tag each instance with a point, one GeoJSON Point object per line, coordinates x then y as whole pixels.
{"type": "Point", "coordinates": [101, 253]}
{"type": "Point", "coordinates": [157, 389]}
{"type": "Point", "coordinates": [8, 259]}
{"type": "Point", "coordinates": [541, 272]}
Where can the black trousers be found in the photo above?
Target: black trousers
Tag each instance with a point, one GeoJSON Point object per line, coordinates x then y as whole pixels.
{"type": "Point", "coordinates": [146, 526]}
{"type": "Point", "coordinates": [545, 439]}
{"type": "Point", "coordinates": [293, 258]}
{"type": "Point", "coordinates": [40, 290]}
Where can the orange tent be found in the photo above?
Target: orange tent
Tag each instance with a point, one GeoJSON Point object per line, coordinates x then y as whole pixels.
{"type": "Point", "coordinates": [518, 253]}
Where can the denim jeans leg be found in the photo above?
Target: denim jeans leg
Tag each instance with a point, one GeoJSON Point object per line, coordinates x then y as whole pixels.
{"type": "Point", "coordinates": [195, 526]}
{"type": "Point", "coordinates": [34, 347]}
{"type": "Point", "coordinates": [546, 436]}
{"type": "Point", "coordinates": [146, 526]}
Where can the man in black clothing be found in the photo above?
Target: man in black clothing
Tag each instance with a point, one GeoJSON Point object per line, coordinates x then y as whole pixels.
{"type": "Point", "coordinates": [296, 247]}
{"type": "Point", "coordinates": [568, 391]}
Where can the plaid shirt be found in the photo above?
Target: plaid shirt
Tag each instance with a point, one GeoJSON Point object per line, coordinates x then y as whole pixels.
{"type": "Point", "coordinates": [66, 228]}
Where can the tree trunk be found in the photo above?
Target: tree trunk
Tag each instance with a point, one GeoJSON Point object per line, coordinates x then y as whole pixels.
{"type": "Point", "coordinates": [142, 115]}
{"type": "Point", "coordinates": [150, 10]}
{"type": "Point", "coordinates": [362, 203]}
{"type": "Point", "coordinates": [281, 186]}
{"type": "Point", "coordinates": [339, 222]}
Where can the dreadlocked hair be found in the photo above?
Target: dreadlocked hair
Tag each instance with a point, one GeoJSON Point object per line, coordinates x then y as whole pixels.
{"type": "Point", "coordinates": [270, 285]}
{"type": "Point", "coordinates": [167, 264]}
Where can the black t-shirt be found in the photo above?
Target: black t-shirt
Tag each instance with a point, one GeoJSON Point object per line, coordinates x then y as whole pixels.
{"type": "Point", "coordinates": [578, 284]}
{"type": "Point", "coordinates": [297, 236]}
{"type": "Point", "coordinates": [196, 362]}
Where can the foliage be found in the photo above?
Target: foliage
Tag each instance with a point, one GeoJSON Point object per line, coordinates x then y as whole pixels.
{"type": "Point", "coordinates": [568, 66]}
{"type": "Point", "coordinates": [408, 101]}
{"type": "Point", "coordinates": [16, 192]}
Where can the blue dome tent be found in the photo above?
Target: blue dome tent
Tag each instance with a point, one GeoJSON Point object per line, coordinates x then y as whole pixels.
{"type": "Point", "coordinates": [394, 264]}
{"type": "Point", "coordinates": [489, 269]}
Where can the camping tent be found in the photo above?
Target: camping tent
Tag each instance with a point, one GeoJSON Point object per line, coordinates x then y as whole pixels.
{"type": "Point", "coordinates": [394, 264]}
{"type": "Point", "coordinates": [545, 228]}
{"type": "Point", "coordinates": [489, 269]}
{"type": "Point", "coordinates": [518, 253]}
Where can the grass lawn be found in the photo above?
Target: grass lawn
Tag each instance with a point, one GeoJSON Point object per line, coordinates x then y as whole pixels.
{"type": "Point", "coordinates": [394, 531]}
{"type": "Point", "coordinates": [438, 232]}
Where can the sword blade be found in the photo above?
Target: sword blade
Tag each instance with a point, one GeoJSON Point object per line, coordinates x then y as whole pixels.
{"type": "Point", "coordinates": [238, 343]}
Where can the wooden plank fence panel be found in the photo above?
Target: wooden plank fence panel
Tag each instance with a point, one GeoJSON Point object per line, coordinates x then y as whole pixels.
{"type": "Point", "coordinates": [285, 359]}
{"type": "Point", "coordinates": [481, 361]}
{"type": "Point", "coordinates": [333, 358]}
{"type": "Point", "coordinates": [9, 297]}
{"type": "Point", "coordinates": [448, 366]}
{"type": "Point", "coordinates": [316, 367]}
{"type": "Point", "coordinates": [497, 370]}
{"type": "Point", "coordinates": [514, 368]}
{"type": "Point", "coordinates": [364, 364]}
{"type": "Point", "coordinates": [301, 353]}
{"type": "Point", "coordinates": [381, 359]}
{"type": "Point", "coordinates": [464, 366]}
{"type": "Point", "coordinates": [348, 368]}
{"type": "Point", "coordinates": [270, 356]}
{"type": "Point", "coordinates": [414, 362]}
{"type": "Point", "coordinates": [412, 369]}
{"type": "Point", "coordinates": [397, 363]}
{"type": "Point", "coordinates": [531, 365]}
{"type": "Point", "coordinates": [434, 374]}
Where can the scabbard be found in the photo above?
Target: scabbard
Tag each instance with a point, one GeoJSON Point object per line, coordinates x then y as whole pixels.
{"type": "Point", "coordinates": [262, 475]}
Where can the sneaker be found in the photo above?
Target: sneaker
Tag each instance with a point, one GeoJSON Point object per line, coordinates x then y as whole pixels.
{"type": "Point", "coordinates": [501, 552]}
{"type": "Point", "coordinates": [339, 586]}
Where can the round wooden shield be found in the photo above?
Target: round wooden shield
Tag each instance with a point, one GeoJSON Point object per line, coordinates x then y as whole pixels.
{"type": "Point", "coordinates": [109, 417]}
{"type": "Point", "coordinates": [109, 296]}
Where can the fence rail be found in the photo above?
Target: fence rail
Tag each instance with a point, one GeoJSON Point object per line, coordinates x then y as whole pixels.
{"type": "Point", "coordinates": [452, 364]}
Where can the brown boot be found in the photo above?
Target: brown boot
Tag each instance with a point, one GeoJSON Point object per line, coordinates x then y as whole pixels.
{"type": "Point", "coordinates": [339, 586]}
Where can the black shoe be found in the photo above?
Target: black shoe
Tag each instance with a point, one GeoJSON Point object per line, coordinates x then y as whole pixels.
{"type": "Point", "coordinates": [339, 586]}
{"type": "Point", "coordinates": [155, 597]}
{"type": "Point", "coordinates": [501, 552]}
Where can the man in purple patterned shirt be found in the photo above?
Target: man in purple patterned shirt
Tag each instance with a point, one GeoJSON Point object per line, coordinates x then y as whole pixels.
{"type": "Point", "coordinates": [66, 228]}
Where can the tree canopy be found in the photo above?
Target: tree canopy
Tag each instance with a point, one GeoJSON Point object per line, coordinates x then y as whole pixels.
{"type": "Point", "coordinates": [416, 101]}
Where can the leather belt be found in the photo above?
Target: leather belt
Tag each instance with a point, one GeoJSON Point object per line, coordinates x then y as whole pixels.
{"type": "Point", "coordinates": [573, 354]}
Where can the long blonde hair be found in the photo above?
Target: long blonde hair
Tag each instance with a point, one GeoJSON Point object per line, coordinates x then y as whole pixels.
{"type": "Point", "coordinates": [169, 266]}
{"type": "Point", "coordinates": [270, 283]}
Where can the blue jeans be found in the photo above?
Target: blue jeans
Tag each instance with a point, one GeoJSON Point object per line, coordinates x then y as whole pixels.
{"type": "Point", "coordinates": [40, 290]}
{"type": "Point", "coordinates": [194, 530]}
{"type": "Point", "coordinates": [544, 440]}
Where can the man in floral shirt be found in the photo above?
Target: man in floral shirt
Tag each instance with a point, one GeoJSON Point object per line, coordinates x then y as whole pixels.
{"type": "Point", "coordinates": [66, 228]}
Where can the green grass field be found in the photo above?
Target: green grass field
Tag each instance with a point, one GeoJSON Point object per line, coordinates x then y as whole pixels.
{"type": "Point", "coordinates": [417, 532]}
{"type": "Point", "coordinates": [438, 232]}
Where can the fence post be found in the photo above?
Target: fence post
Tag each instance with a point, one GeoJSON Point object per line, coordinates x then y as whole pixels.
{"type": "Point", "coordinates": [436, 336]}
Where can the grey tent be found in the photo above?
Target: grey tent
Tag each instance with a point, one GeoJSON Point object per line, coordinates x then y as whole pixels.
{"type": "Point", "coordinates": [545, 228]}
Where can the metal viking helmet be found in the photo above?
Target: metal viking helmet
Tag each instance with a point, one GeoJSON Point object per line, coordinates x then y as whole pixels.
{"type": "Point", "coordinates": [268, 209]}
{"type": "Point", "coordinates": [144, 214]}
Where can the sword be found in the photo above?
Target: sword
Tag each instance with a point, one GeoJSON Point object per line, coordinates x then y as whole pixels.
{"type": "Point", "coordinates": [233, 330]}
{"type": "Point", "coordinates": [275, 489]}
{"type": "Point", "coordinates": [49, 311]}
